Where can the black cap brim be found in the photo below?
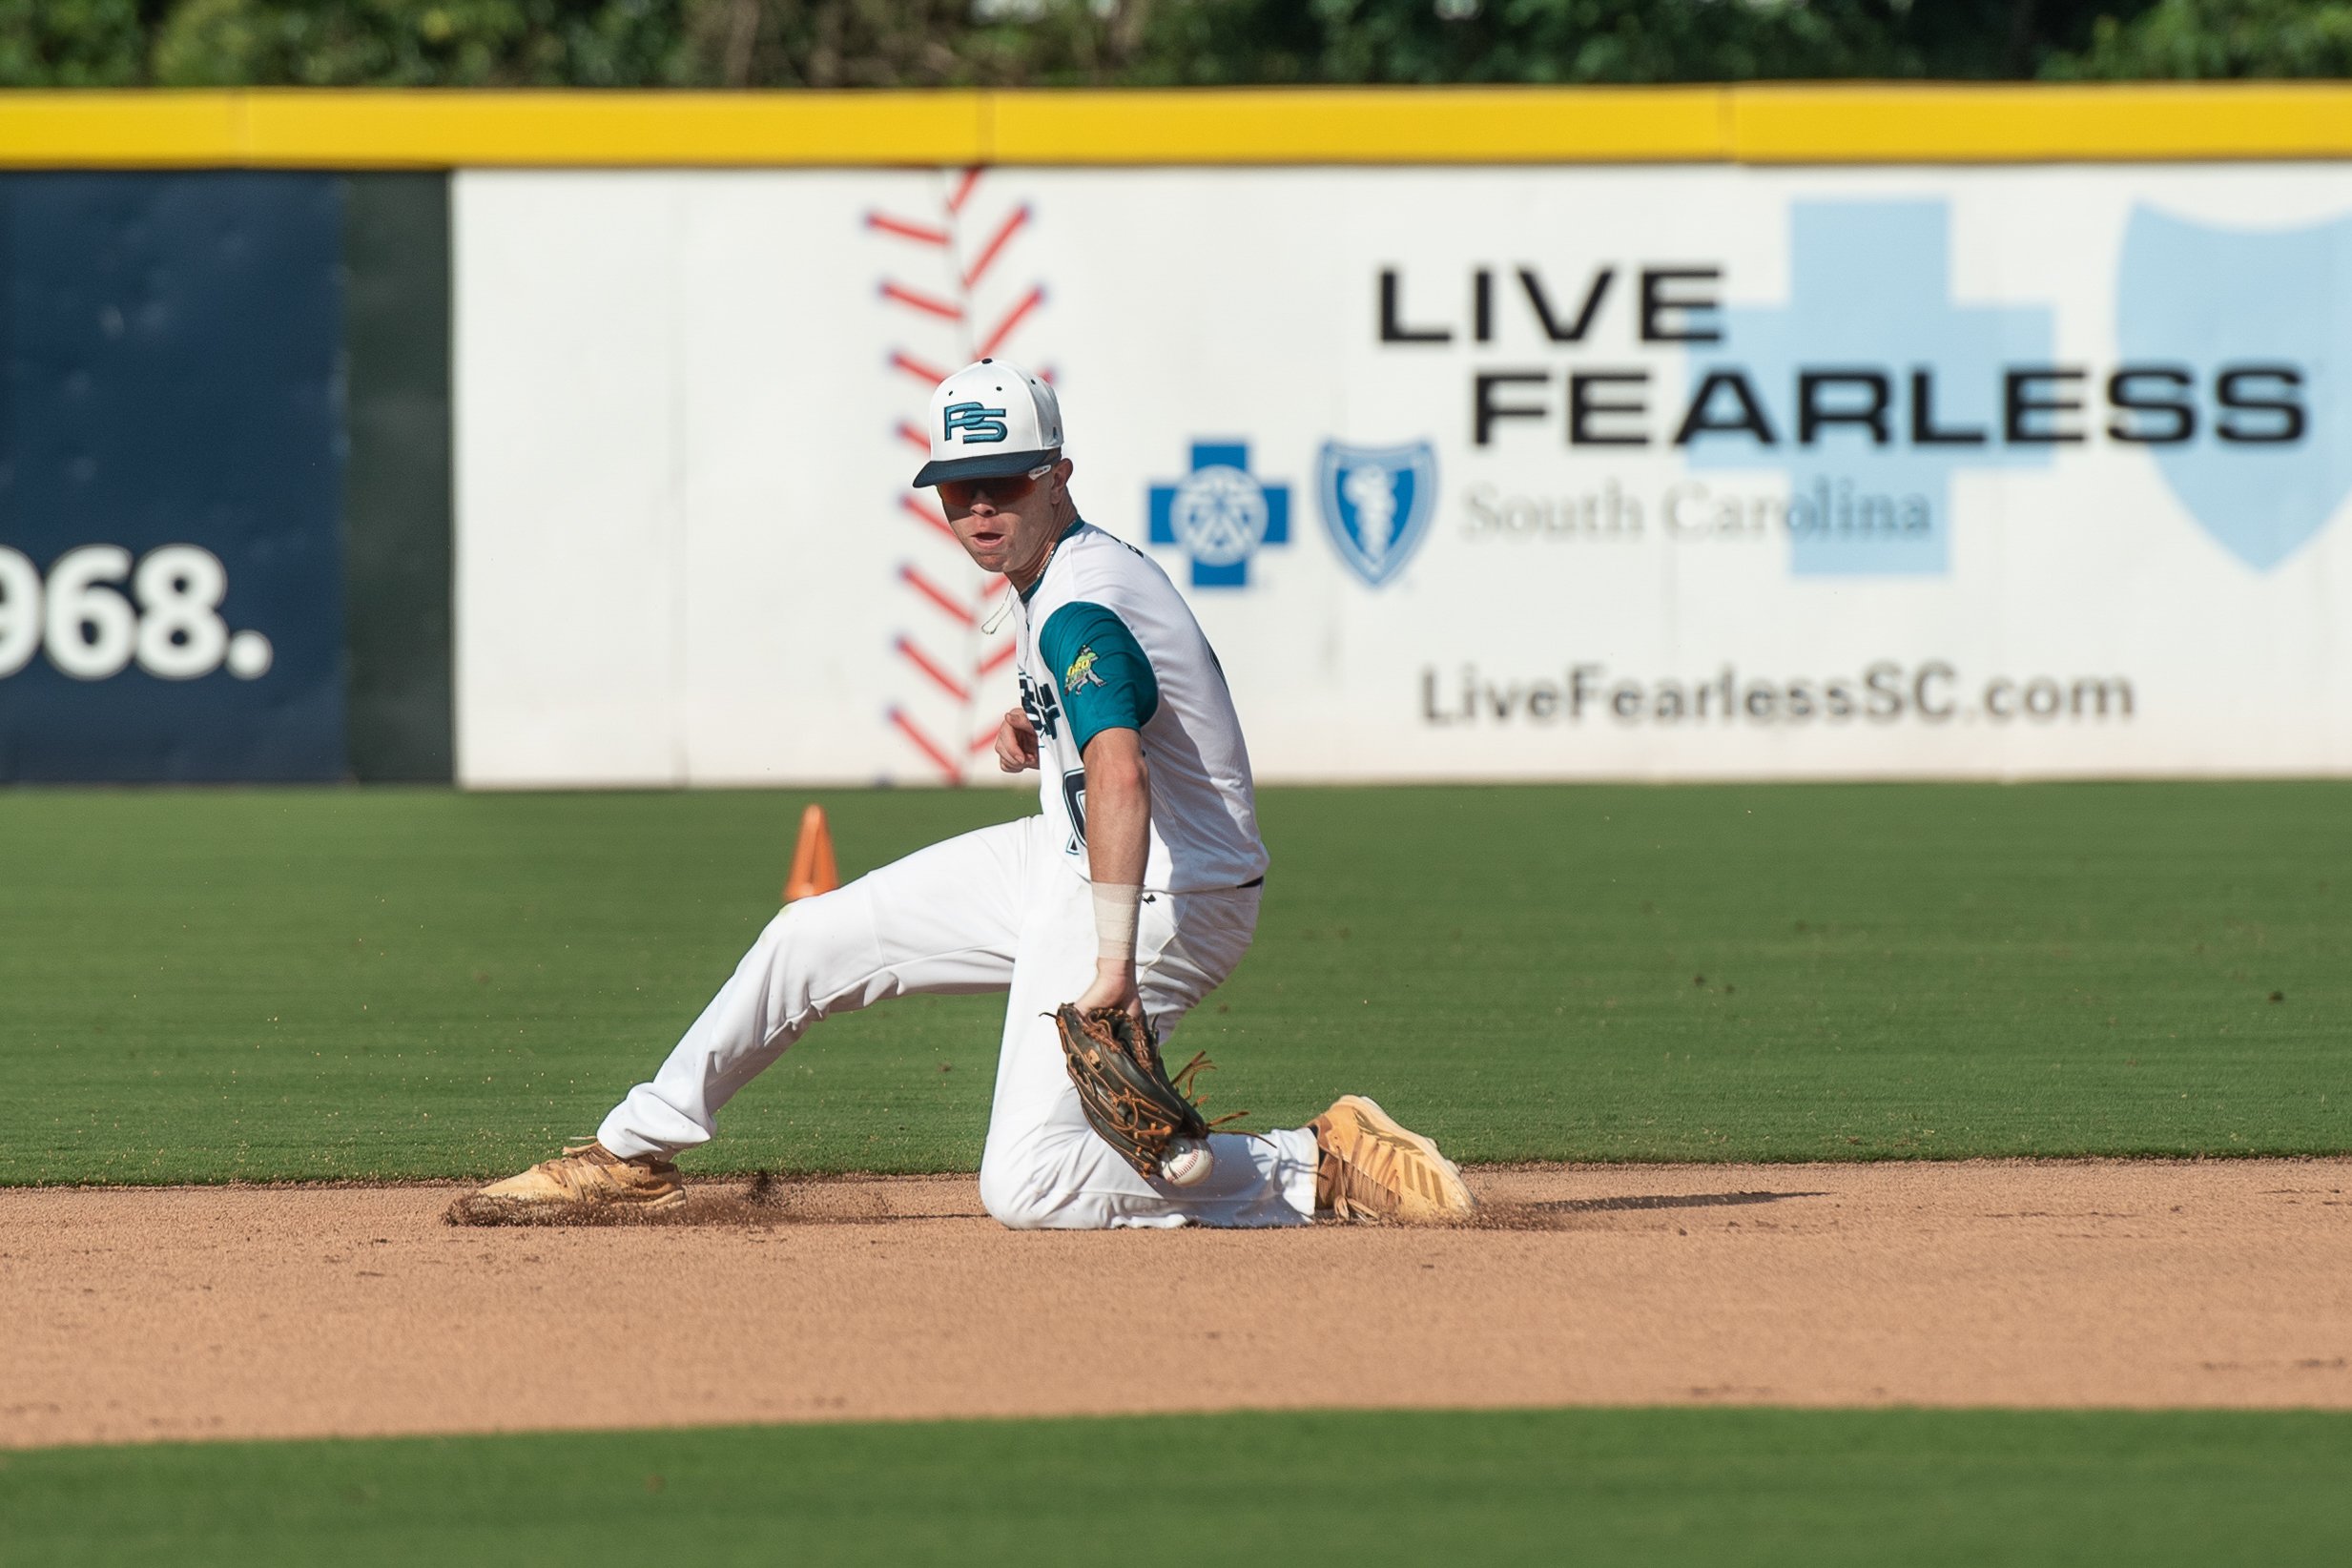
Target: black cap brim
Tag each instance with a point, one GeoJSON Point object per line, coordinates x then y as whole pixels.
{"type": "Point", "coordinates": [989, 466]}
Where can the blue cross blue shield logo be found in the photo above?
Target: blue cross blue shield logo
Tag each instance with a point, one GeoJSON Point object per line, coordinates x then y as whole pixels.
{"type": "Point", "coordinates": [1376, 502]}
{"type": "Point", "coordinates": [1220, 514]}
{"type": "Point", "coordinates": [2255, 318]}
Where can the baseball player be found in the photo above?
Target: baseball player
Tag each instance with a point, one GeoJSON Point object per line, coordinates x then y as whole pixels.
{"type": "Point", "coordinates": [1136, 888]}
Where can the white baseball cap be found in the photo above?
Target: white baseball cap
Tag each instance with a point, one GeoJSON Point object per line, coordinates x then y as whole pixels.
{"type": "Point", "coordinates": [991, 421]}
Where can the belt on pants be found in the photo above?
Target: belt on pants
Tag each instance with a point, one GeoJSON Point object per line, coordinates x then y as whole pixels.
{"type": "Point", "coordinates": [1258, 881]}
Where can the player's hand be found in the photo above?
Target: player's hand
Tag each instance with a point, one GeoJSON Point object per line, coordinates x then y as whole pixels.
{"type": "Point", "coordinates": [1016, 742]}
{"type": "Point", "coordinates": [1114, 986]}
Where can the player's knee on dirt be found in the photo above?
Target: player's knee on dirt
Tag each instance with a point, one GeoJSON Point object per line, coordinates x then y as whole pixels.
{"type": "Point", "coordinates": [1003, 1194]}
{"type": "Point", "coordinates": [1010, 1192]}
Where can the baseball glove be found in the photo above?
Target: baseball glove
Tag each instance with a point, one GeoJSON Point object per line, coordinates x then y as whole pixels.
{"type": "Point", "coordinates": [1128, 1096]}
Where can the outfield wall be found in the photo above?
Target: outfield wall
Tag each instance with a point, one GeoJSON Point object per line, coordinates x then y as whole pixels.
{"type": "Point", "coordinates": [1667, 472]}
{"type": "Point", "coordinates": [1677, 433]}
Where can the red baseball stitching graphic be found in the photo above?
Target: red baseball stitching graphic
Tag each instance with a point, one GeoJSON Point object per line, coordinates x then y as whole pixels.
{"type": "Point", "coordinates": [955, 297]}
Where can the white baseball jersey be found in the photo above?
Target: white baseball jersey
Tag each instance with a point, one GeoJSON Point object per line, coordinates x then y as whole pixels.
{"type": "Point", "coordinates": [1106, 642]}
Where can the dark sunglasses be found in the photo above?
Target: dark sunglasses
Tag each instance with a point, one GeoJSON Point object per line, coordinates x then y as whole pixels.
{"type": "Point", "coordinates": [961, 493]}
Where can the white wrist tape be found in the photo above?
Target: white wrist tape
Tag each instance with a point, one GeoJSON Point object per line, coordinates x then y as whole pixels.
{"type": "Point", "coordinates": [1116, 906]}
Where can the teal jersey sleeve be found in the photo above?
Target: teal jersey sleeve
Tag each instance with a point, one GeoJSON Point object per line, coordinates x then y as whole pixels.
{"type": "Point", "coordinates": [1106, 681]}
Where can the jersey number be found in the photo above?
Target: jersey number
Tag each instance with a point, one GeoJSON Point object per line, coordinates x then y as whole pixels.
{"type": "Point", "coordinates": [1074, 796]}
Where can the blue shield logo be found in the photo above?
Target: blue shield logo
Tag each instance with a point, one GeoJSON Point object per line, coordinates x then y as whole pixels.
{"type": "Point", "coordinates": [2258, 321]}
{"type": "Point", "coordinates": [1376, 502]}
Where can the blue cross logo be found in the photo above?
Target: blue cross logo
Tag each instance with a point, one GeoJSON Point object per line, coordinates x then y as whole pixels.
{"type": "Point", "coordinates": [1869, 290]}
{"type": "Point", "coordinates": [1220, 515]}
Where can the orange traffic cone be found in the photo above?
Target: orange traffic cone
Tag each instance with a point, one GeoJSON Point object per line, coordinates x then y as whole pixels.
{"type": "Point", "coordinates": [813, 868]}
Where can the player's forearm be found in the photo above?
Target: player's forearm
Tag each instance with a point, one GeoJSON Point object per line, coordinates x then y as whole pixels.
{"type": "Point", "coordinates": [1118, 843]}
{"type": "Point", "coordinates": [1118, 809]}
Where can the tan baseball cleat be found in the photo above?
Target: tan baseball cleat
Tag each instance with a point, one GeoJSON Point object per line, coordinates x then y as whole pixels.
{"type": "Point", "coordinates": [1369, 1165]}
{"type": "Point", "coordinates": [585, 1178]}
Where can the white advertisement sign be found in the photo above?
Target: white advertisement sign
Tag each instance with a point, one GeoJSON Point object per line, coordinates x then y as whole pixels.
{"type": "Point", "coordinates": [1531, 473]}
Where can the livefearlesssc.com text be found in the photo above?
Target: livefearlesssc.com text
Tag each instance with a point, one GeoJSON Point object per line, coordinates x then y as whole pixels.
{"type": "Point", "coordinates": [1883, 692]}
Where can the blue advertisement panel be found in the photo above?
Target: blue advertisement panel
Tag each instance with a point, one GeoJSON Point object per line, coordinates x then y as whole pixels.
{"type": "Point", "coordinates": [170, 468]}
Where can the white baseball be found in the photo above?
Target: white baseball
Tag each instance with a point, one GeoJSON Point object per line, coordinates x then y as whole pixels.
{"type": "Point", "coordinates": [1188, 1160]}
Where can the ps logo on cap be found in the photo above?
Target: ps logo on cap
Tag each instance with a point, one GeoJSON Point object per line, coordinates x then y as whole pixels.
{"type": "Point", "coordinates": [995, 405]}
{"type": "Point", "coordinates": [975, 420]}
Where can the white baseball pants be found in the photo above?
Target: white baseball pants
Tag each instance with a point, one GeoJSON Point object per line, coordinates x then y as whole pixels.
{"type": "Point", "coordinates": [997, 910]}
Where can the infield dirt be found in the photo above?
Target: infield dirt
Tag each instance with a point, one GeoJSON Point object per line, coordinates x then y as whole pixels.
{"type": "Point", "coordinates": [310, 1312]}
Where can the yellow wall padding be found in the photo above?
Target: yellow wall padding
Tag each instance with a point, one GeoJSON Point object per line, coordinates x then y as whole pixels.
{"type": "Point", "coordinates": [1761, 124]}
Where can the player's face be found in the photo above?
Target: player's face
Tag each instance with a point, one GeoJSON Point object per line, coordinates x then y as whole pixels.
{"type": "Point", "coordinates": [1006, 524]}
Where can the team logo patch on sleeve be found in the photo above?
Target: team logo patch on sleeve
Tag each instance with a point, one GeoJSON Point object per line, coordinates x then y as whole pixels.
{"type": "Point", "coordinates": [1080, 672]}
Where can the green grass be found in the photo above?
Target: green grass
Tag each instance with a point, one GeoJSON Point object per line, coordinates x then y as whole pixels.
{"type": "Point", "coordinates": [1703, 1487]}
{"type": "Point", "coordinates": [201, 985]}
